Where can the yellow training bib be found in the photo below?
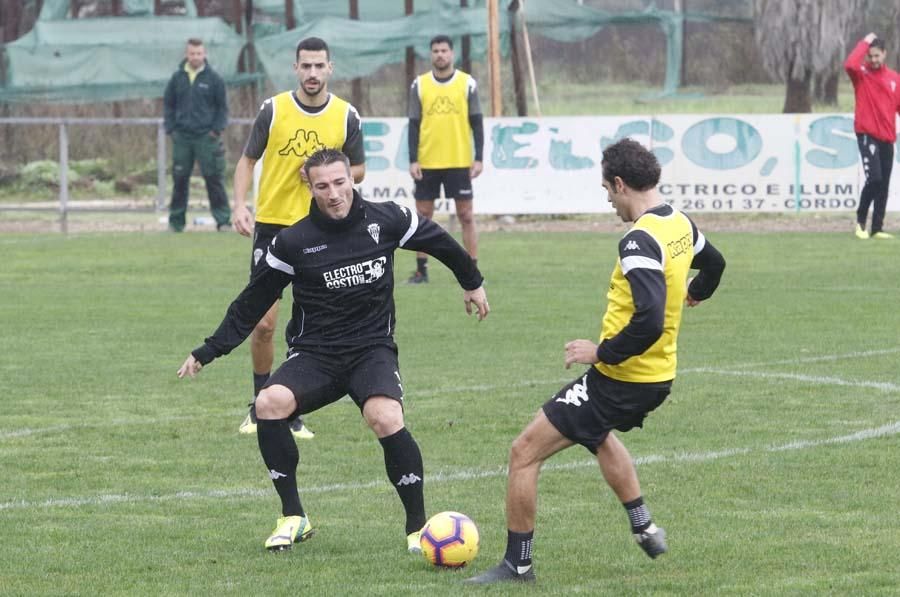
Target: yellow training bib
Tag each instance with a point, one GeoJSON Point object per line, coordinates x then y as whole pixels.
{"type": "Point", "coordinates": [294, 135]}
{"type": "Point", "coordinates": [445, 136]}
{"type": "Point", "coordinates": [674, 235]}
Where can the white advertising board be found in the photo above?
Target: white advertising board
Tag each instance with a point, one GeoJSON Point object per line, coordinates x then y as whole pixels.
{"type": "Point", "coordinates": [711, 163]}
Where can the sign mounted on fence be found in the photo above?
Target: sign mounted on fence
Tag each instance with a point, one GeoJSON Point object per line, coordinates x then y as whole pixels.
{"type": "Point", "coordinates": [752, 163]}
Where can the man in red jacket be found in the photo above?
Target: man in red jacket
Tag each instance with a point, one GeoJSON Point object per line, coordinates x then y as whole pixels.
{"type": "Point", "coordinates": [877, 101]}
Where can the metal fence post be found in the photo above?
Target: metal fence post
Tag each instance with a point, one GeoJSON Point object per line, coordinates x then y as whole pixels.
{"type": "Point", "coordinates": [63, 178]}
{"type": "Point", "coordinates": [160, 167]}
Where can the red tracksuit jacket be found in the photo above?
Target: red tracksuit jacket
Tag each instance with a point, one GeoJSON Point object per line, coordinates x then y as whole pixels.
{"type": "Point", "coordinates": [877, 96]}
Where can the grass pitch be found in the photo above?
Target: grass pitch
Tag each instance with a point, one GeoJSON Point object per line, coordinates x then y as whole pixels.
{"type": "Point", "coordinates": [772, 465]}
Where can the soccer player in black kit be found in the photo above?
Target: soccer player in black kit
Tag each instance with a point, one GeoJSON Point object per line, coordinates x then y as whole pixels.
{"type": "Point", "coordinates": [341, 334]}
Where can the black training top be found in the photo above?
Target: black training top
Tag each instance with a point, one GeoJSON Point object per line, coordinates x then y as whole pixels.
{"type": "Point", "coordinates": [342, 273]}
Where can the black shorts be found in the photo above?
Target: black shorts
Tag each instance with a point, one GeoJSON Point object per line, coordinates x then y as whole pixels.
{"type": "Point", "coordinates": [262, 238]}
{"type": "Point", "coordinates": [318, 380]}
{"type": "Point", "coordinates": [588, 408]}
{"type": "Point", "coordinates": [456, 182]}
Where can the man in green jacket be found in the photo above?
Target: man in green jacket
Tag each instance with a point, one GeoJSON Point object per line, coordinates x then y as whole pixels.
{"type": "Point", "coordinates": [196, 112]}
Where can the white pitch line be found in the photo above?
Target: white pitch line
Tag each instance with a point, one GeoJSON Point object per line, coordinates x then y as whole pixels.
{"type": "Point", "coordinates": [425, 393]}
{"type": "Point", "coordinates": [442, 476]}
{"type": "Point", "coordinates": [822, 358]}
{"type": "Point", "coordinates": [816, 379]}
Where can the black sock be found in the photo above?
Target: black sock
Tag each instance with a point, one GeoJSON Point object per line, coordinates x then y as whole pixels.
{"type": "Point", "coordinates": [518, 548]}
{"type": "Point", "coordinates": [475, 261]}
{"type": "Point", "coordinates": [279, 452]}
{"type": "Point", "coordinates": [638, 514]}
{"type": "Point", "coordinates": [259, 380]}
{"type": "Point", "coordinates": [422, 265]}
{"type": "Point", "coordinates": [403, 462]}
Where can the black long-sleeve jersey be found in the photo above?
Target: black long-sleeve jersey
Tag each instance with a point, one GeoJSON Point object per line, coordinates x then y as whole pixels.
{"type": "Point", "coordinates": [342, 273]}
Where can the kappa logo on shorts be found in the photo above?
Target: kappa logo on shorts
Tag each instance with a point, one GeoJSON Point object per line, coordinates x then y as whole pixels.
{"type": "Point", "coordinates": [576, 394]}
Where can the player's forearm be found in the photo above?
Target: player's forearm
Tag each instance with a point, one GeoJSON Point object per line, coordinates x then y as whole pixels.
{"type": "Point", "coordinates": [476, 121]}
{"type": "Point", "coordinates": [243, 177]}
{"type": "Point", "coordinates": [435, 241]}
{"type": "Point", "coordinates": [243, 314]}
{"type": "Point", "coordinates": [711, 264]}
{"type": "Point", "coordinates": [855, 60]}
{"type": "Point", "coordinates": [413, 139]}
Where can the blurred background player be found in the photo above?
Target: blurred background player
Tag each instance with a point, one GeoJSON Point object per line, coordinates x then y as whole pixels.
{"type": "Point", "coordinates": [289, 128]}
{"type": "Point", "coordinates": [195, 113]}
{"type": "Point", "coordinates": [633, 366]}
{"type": "Point", "coordinates": [874, 121]}
{"type": "Point", "coordinates": [444, 117]}
{"type": "Point", "coordinates": [344, 301]}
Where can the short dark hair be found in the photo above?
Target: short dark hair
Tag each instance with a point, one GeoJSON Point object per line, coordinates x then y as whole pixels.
{"type": "Point", "coordinates": [877, 43]}
{"type": "Point", "coordinates": [323, 157]}
{"type": "Point", "coordinates": [195, 41]}
{"type": "Point", "coordinates": [633, 163]}
{"type": "Point", "coordinates": [441, 39]}
{"type": "Point", "coordinates": [313, 44]}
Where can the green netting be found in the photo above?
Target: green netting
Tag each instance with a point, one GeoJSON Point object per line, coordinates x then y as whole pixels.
{"type": "Point", "coordinates": [58, 10]}
{"type": "Point", "coordinates": [64, 61]}
{"type": "Point", "coordinates": [359, 48]}
{"type": "Point", "coordinates": [124, 58]}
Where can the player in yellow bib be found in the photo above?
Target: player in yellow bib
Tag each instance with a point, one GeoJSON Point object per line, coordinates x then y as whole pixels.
{"type": "Point", "coordinates": [446, 143]}
{"type": "Point", "coordinates": [632, 367]}
{"type": "Point", "coordinates": [289, 128]}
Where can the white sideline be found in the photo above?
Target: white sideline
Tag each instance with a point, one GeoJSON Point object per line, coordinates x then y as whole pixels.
{"type": "Point", "coordinates": [459, 475]}
{"type": "Point", "coordinates": [816, 379]}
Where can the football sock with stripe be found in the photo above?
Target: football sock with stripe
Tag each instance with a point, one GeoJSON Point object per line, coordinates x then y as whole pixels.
{"type": "Point", "coordinates": [279, 452]}
{"type": "Point", "coordinates": [403, 463]}
{"type": "Point", "coordinates": [518, 549]}
{"type": "Point", "coordinates": [638, 514]}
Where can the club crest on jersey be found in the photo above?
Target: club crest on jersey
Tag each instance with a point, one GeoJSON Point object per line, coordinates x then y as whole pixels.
{"type": "Point", "coordinates": [374, 231]}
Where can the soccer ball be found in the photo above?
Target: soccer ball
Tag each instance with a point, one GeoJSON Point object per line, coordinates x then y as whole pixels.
{"type": "Point", "coordinates": [449, 540]}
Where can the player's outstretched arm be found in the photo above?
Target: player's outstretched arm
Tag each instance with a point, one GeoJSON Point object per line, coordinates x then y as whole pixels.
{"type": "Point", "coordinates": [243, 177]}
{"type": "Point", "coordinates": [478, 297]}
{"type": "Point", "coordinates": [190, 367]}
{"type": "Point", "coordinates": [581, 351]}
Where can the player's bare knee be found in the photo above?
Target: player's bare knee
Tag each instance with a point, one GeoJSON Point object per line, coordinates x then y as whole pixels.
{"type": "Point", "coordinates": [466, 218]}
{"type": "Point", "coordinates": [383, 415]}
{"type": "Point", "coordinates": [520, 451]}
{"type": "Point", "coordinates": [263, 333]}
{"type": "Point", "coordinates": [275, 402]}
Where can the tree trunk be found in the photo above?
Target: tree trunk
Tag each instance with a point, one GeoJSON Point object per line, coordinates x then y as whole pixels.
{"type": "Point", "coordinates": [797, 98]}
{"type": "Point", "coordinates": [515, 60]}
{"type": "Point", "coordinates": [830, 89]}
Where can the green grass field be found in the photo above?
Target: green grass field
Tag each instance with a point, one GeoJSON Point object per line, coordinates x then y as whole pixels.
{"type": "Point", "coordinates": [773, 465]}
